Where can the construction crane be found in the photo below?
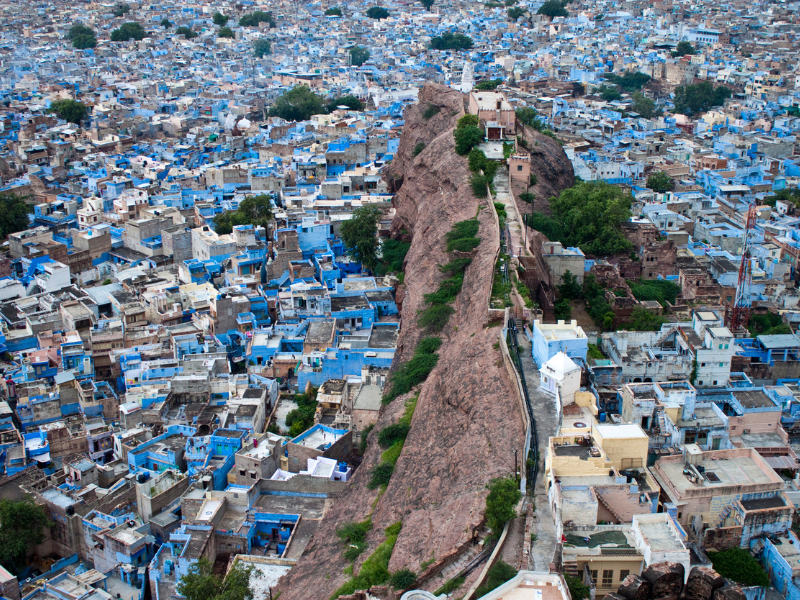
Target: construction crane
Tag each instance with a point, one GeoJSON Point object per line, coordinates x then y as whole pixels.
{"type": "Point", "coordinates": [739, 315]}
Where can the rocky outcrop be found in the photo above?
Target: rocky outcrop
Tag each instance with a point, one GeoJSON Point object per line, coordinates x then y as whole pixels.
{"type": "Point", "coordinates": [552, 168]}
{"type": "Point", "coordinates": [467, 423]}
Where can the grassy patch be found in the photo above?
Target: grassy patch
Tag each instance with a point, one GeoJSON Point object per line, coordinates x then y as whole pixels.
{"type": "Point", "coordinates": [660, 290]}
{"type": "Point", "coordinates": [418, 148]}
{"type": "Point", "coordinates": [435, 317]}
{"type": "Point", "coordinates": [380, 475]}
{"type": "Point", "coordinates": [462, 236]}
{"type": "Point", "coordinates": [415, 370]}
{"type": "Point", "coordinates": [431, 111]}
{"type": "Point", "coordinates": [450, 586]}
{"type": "Point", "coordinates": [389, 436]}
{"type": "Point", "coordinates": [393, 254]}
{"type": "Point", "coordinates": [393, 437]}
{"type": "Point", "coordinates": [499, 573]}
{"type": "Point", "coordinates": [375, 570]}
{"type": "Point", "coordinates": [354, 537]}
{"type": "Point", "coordinates": [595, 352]}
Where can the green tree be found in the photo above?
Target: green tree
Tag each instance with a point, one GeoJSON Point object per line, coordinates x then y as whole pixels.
{"type": "Point", "coordinates": [200, 583]}
{"type": "Point", "coordinates": [377, 12]}
{"type": "Point", "coordinates": [588, 215]}
{"type": "Point", "coordinates": [683, 49]}
{"type": "Point", "coordinates": [358, 55]}
{"type": "Point", "coordinates": [577, 589]}
{"type": "Point", "coordinates": [360, 235]}
{"type": "Point", "coordinates": [298, 104]}
{"type": "Point", "coordinates": [553, 8]}
{"type": "Point", "coordinates": [255, 19]}
{"type": "Point", "coordinates": [452, 41]}
{"type": "Point", "coordinates": [643, 320]}
{"type": "Point", "coordinates": [501, 503]}
{"type": "Point", "coordinates": [628, 81]}
{"type": "Point", "coordinates": [660, 182]}
{"type": "Point", "coordinates": [427, 4]}
{"type": "Point", "coordinates": [530, 118]}
{"type": "Point", "coordinates": [84, 41]}
{"type": "Point", "coordinates": [350, 101]}
{"type": "Point", "coordinates": [643, 105]}
{"type": "Point", "coordinates": [69, 110]}
{"type": "Point", "coordinates": [22, 523]}
{"type": "Point", "coordinates": [82, 37]}
{"type": "Point", "coordinates": [404, 578]}
{"type": "Point", "coordinates": [128, 31]}
{"type": "Point", "coordinates": [498, 574]}
{"type": "Point", "coordinates": [562, 310]}
{"type": "Point", "coordinates": [261, 48]}
{"type": "Point", "coordinates": [516, 12]}
{"type": "Point", "coordinates": [488, 84]}
{"type": "Point", "coordinates": [226, 32]}
{"type": "Point", "coordinates": [166, 23]}
{"type": "Point", "coordinates": [739, 565]}
{"type": "Point", "coordinates": [14, 213]}
{"type": "Point", "coordinates": [609, 93]}
{"type": "Point", "coordinates": [186, 32]}
{"type": "Point", "coordinates": [691, 99]}
{"type": "Point", "coordinates": [121, 10]}
{"type": "Point", "coordinates": [468, 134]}
{"type": "Point", "coordinates": [253, 210]}
{"type": "Point", "coordinates": [220, 19]}
{"type": "Point", "coordinates": [569, 288]}
{"type": "Point", "coordinates": [333, 12]}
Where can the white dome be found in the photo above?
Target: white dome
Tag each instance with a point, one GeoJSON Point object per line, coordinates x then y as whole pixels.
{"type": "Point", "coordinates": [243, 124]}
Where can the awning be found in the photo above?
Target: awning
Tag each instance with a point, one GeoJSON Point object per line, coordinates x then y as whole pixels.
{"type": "Point", "coordinates": [781, 462]}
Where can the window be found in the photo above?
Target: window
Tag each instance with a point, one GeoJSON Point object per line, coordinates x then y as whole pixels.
{"type": "Point", "coordinates": [608, 577]}
{"type": "Point", "coordinates": [241, 472]}
{"type": "Point", "coordinates": [594, 576]}
{"type": "Point", "coordinates": [519, 167]}
{"type": "Point", "coordinates": [721, 365]}
{"type": "Point", "coordinates": [623, 574]}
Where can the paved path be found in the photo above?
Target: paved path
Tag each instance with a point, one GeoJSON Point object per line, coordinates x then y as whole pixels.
{"type": "Point", "coordinates": [544, 411]}
{"type": "Point", "coordinates": [503, 195]}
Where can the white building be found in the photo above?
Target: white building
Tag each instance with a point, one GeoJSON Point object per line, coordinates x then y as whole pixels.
{"type": "Point", "coordinates": [562, 377]}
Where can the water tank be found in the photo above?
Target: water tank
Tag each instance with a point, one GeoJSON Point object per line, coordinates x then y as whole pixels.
{"type": "Point", "coordinates": [70, 510]}
{"type": "Point", "coordinates": [602, 417]}
{"type": "Point", "coordinates": [342, 467]}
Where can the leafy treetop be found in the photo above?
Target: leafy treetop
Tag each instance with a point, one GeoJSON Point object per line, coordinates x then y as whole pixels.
{"type": "Point", "coordinates": [504, 494]}
{"type": "Point", "coordinates": [660, 182]}
{"type": "Point", "coordinates": [200, 583]}
{"type": "Point", "coordinates": [255, 19]}
{"type": "Point", "coordinates": [220, 19]}
{"type": "Point", "coordinates": [226, 32]}
{"type": "Point", "coordinates": [488, 84]}
{"type": "Point", "coordinates": [377, 12]}
{"type": "Point", "coordinates": [628, 81]}
{"type": "Point", "coordinates": [186, 32]}
{"type": "Point", "coordinates": [70, 110]}
{"type": "Point", "coordinates": [128, 31]}
{"type": "Point", "coordinates": [22, 522]}
{"type": "Point", "coordinates": [350, 101]}
{"type": "Point", "coordinates": [691, 99]}
{"type": "Point", "coordinates": [298, 104]}
{"type": "Point", "coordinates": [360, 235]}
{"type": "Point", "coordinates": [13, 217]}
{"type": "Point", "coordinates": [515, 12]}
{"type": "Point", "coordinates": [553, 8]}
{"type": "Point", "coordinates": [253, 210]}
{"type": "Point", "coordinates": [333, 12]}
{"type": "Point", "coordinates": [261, 48]}
{"type": "Point", "coordinates": [166, 23]}
{"type": "Point", "coordinates": [359, 55]}
{"type": "Point", "coordinates": [588, 215]}
{"type": "Point", "coordinates": [121, 10]}
{"type": "Point", "coordinates": [451, 41]}
{"type": "Point", "coordinates": [468, 134]}
{"type": "Point", "coordinates": [428, 4]}
{"type": "Point", "coordinates": [683, 49]}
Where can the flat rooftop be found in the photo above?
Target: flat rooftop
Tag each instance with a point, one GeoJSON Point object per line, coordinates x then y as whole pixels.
{"type": "Point", "coordinates": [660, 536]}
{"type": "Point", "coordinates": [719, 472]}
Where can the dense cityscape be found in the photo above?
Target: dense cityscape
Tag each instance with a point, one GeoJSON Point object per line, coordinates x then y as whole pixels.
{"type": "Point", "coordinates": [424, 300]}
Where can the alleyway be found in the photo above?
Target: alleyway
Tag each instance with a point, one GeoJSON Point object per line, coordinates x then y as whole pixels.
{"type": "Point", "coordinates": [544, 412]}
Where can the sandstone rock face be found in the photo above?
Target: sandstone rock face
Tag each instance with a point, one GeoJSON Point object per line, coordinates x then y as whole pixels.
{"type": "Point", "coordinates": [467, 422]}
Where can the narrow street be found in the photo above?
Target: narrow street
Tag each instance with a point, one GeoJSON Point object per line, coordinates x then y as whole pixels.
{"type": "Point", "coordinates": [503, 195]}
{"type": "Point", "coordinates": [544, 411]}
